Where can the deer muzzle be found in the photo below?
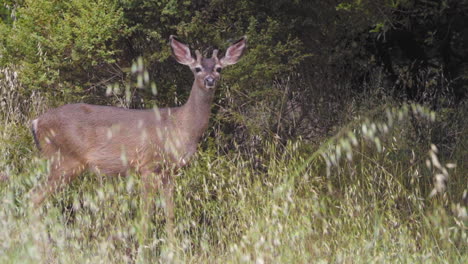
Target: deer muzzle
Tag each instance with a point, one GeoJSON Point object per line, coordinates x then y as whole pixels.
{"type": "Point", "coordinates": [210, 82]}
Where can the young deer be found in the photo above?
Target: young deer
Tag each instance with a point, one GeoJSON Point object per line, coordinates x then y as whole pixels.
{"type": "Point", "coordinates": [112, 140]}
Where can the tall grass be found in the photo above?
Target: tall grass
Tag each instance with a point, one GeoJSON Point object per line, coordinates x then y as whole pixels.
{"type": "Point", "coordinates": [380, 190]}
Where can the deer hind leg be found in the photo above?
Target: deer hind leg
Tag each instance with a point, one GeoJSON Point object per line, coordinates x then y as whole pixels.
{"type": "Point", "coordinates": [62, 171]}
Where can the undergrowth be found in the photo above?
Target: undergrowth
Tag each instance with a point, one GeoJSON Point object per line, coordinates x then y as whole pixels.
{"type": "Point", "coordinates": [381, 190]}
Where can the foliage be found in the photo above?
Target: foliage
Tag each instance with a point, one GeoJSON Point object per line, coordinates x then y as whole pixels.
{"type": "Point", "coordinates": [421, 45]}
{"type": "Point", "coordinates": [318, 150]}
{"type": "Point", "coordinates": [91, 43]}
{"type": "Point", "coordinates": [54, 43]}
{"type": "Point", "coordinates": [418, 47]}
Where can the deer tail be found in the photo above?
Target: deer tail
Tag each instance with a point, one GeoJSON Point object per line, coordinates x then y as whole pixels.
{"type": "Point", "coordinates": [34, 132]}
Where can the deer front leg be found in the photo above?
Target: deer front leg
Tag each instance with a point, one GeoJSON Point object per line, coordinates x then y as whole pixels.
{"type": "Point", "coordinates": [168, 193]}
{"type": "Point", "coordinates": [150, 185]}
{"type": "Point", "coordinates": [162, 181]}
{"type": "Point", "coordinates": [148, 190]}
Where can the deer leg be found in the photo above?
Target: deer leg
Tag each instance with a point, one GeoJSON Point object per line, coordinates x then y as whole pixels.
{"type": "Point", "coordinates": [164, 183]}
{"type": "Point", "coordinates": [148, 189]}
{"type": "Point", "coordinates": [149, 184]}
{"type": "Point", "coordinates": [168, 193]}
{"type": "Point", "coordinates": [62, 172]}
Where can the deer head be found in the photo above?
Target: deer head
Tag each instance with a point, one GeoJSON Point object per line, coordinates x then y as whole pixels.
{"type": "Point", "coordinates": [207, 71]}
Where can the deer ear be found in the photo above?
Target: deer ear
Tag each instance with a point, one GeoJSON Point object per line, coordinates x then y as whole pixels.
{"type": "Point", "coordinates": [181, 51]}
{"type": "Point", "coordinates": [234, 52]}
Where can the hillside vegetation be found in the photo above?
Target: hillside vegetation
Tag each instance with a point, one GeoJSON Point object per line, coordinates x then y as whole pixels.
{"type": "Point", "coordinates": [340, 137]}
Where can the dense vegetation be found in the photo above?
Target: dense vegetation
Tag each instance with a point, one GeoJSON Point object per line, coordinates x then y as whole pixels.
{"type": "Point", "coordinates": [341, 136]}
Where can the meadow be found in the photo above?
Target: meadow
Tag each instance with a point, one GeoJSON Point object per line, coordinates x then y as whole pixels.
{"type": "Point", "coordinates": [388, 185]}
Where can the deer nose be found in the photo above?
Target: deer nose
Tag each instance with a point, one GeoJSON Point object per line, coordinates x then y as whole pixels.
{"type": "Point", "coordinates": [210, 81]}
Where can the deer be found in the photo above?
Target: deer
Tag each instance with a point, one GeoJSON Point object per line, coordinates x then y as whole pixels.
{"type": "Point", "coordinates": [153, 143]}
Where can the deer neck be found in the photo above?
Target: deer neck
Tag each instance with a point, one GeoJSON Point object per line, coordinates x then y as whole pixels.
{"type": "Point", "coordinates": [196, 111]}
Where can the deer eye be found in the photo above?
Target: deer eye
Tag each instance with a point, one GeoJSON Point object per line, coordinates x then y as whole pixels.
{"type": "Point", "coordinates": [197, 69]}
{"type": "Point", "coordinates": [219, 69]}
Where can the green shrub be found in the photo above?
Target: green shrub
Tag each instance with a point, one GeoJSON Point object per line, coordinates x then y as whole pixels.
{"type": "Point", "coordinates": [60, 47]}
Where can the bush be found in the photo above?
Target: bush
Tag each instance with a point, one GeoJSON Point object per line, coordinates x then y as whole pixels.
{"type": "Point", "coordinates": [62, 47]}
